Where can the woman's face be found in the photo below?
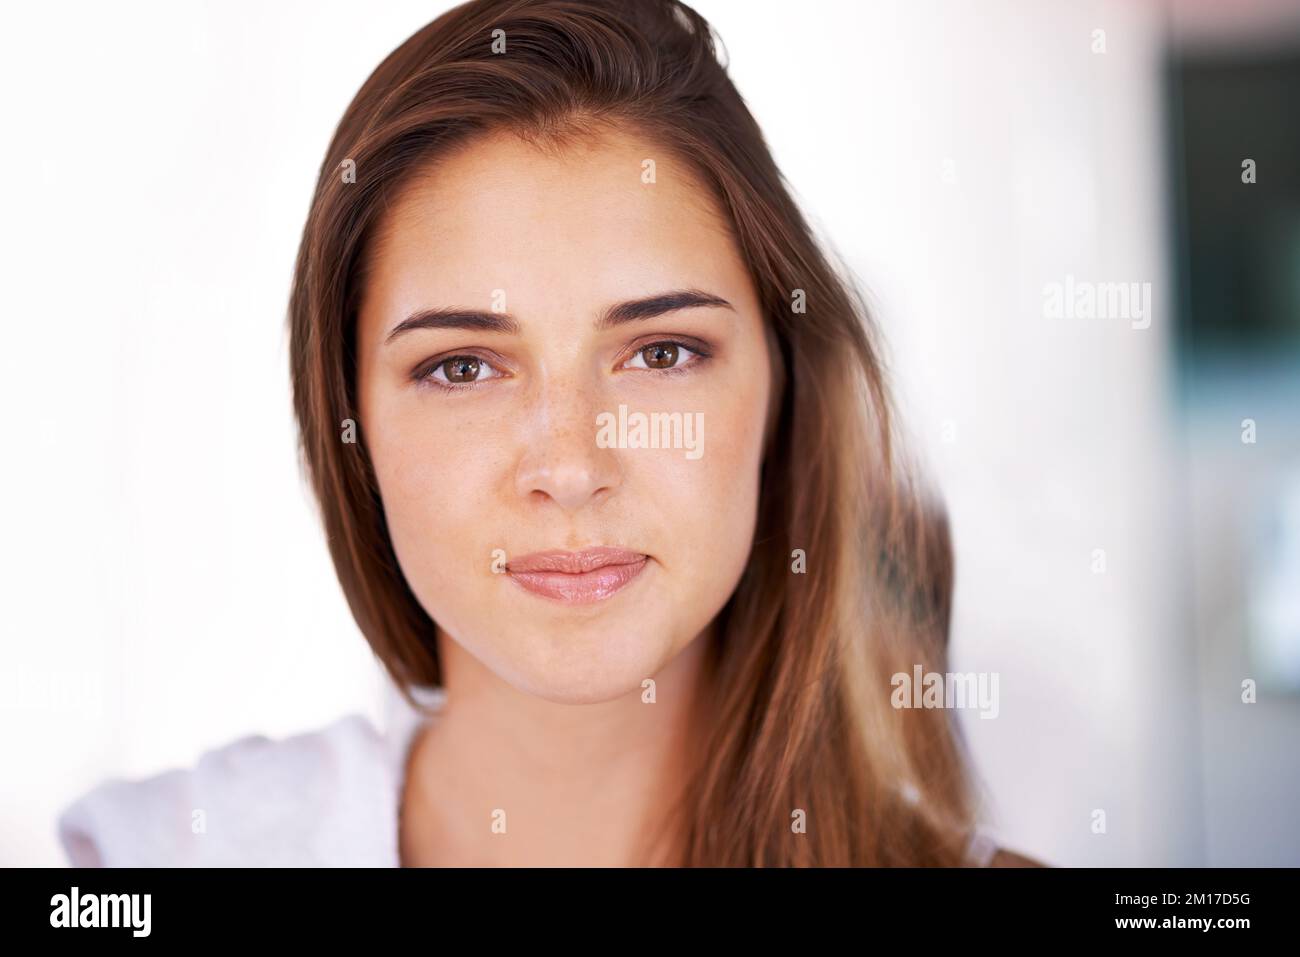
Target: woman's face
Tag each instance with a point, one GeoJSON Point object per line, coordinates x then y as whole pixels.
{"type": "Point", "coordinates": [568, 461]}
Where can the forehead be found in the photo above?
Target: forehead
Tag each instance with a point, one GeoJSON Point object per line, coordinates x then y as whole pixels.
{"type": "Point", "coordinates": [561, 229]}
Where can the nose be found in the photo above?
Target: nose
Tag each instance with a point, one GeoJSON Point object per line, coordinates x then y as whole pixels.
{"type": "Point", "coordinates": [560, 460]}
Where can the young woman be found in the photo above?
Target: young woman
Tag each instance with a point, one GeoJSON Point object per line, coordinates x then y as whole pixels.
{"type": "Point", "coordinates": [604, 451]}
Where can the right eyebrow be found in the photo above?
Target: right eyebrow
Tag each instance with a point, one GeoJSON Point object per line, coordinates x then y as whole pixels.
{"type": "Point", "coordinates": [455, 319]}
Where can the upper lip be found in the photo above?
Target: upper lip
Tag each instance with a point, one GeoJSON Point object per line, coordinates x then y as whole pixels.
{"type": "Point", "coordinates": [574, 563]}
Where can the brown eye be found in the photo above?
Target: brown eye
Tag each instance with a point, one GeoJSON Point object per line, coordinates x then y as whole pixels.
{"type": "Point", "coordinates": [660, 355]}
{"type": "Point", "coordinates": [461, 369]}
{"type": "Point", "coordinates": [461, 373]}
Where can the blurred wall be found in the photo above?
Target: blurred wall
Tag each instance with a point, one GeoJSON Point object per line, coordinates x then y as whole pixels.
{"type": "Point", "coordinates": [981, 152]}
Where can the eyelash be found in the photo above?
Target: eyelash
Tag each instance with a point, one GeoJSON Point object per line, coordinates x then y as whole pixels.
{"type": "Point", "coordinates": [699, 353]}
{"type": "Point", "coordinates": [424, 374]}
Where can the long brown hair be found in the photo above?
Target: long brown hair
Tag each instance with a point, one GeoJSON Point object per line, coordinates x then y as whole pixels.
{"type": "Point", "coordinates": [850, 576]}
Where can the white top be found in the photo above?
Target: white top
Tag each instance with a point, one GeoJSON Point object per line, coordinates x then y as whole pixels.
{"type": "Point", "coordinates": [324, 798]}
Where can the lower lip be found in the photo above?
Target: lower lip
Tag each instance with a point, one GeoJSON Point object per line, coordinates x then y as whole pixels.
{"type": "Point", "coordinates": [593, 586]}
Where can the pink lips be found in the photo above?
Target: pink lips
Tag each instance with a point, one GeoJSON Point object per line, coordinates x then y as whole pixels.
{"type": "Point", "coordinates": [590, 575]}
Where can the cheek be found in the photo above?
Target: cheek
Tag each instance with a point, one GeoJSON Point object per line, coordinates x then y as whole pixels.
{"type": "Point", "coordinates": [437, 474]}
{"type": "Point", "coordinates": [709, 504]}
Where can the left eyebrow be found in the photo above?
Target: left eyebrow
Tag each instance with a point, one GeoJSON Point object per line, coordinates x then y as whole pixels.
{"type": "Point", "coordinates": [634, 310]}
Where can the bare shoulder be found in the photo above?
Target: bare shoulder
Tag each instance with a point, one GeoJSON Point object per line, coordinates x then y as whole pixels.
{"type": "Point", "coordinates": [1008, 858]}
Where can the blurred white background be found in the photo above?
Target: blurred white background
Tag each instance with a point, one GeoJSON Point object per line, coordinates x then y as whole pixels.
{"type": "Point", "coordinates": [165, 584]}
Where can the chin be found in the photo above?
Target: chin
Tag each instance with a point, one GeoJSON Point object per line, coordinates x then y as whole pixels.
{"type": "Point", "coordinates": [586, 663]}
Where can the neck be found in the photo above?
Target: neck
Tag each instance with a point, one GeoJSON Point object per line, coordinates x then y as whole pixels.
{"type": "Point", "coordinates": [502, 777]}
